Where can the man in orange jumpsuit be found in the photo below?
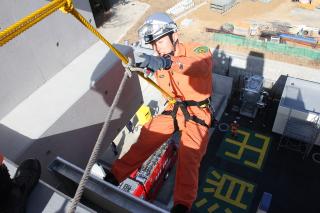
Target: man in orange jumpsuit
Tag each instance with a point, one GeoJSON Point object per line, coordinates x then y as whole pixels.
{"type": "Point", "coordinates": [184, 71]}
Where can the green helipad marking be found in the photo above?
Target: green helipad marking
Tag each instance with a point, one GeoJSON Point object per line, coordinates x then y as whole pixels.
{"type": "Point", "coordinates": [248, 148]}
{"type": "Point", "coordinates": [222, 192]}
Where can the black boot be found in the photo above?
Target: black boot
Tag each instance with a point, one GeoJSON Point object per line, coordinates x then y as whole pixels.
{"type": "Point", "coordinates": [179, 208]}
{"type": "Point", "coordinates": [25, 179]}
{"type": "Point", "coordinates": [5, 186]}
{"type": "Point", "coordinates": [110, 178]}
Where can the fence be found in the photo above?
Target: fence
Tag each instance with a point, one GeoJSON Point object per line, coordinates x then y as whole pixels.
{"type": "Point", "coordinates": [285, 49]}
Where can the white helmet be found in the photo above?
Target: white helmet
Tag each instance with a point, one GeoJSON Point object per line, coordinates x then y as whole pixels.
{"type": "Point", "coordinates": [156, 26]}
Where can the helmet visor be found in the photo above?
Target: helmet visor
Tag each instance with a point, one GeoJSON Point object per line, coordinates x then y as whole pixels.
{"type": "Point", "coordinates": [151, 32]}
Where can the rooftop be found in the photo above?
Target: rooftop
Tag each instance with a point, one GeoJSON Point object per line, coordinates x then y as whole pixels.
{"type": "Point", "coordinates": [251, 164]}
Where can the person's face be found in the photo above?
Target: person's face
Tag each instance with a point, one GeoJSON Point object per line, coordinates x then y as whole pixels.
{"type": "Point", "coordinates": [163, 45]}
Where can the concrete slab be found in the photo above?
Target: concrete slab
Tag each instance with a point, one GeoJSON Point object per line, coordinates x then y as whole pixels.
{"type": "Point", "coordinates": [45, 198]}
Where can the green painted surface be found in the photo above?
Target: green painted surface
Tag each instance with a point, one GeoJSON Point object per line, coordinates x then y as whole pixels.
{"type": "Point", "coordinates": [267, 46]}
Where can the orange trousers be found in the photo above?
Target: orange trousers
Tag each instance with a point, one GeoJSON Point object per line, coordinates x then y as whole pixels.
{"type": "Point", "coordinates": [192, 147]}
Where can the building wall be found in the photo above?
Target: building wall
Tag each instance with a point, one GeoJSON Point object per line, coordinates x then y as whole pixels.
{"type": "Point", "coordinates": [235, 65]}
{"type": "Point", "coordinates": [35, 56]}
{"type": "Point", "coordinates": [297, 101]}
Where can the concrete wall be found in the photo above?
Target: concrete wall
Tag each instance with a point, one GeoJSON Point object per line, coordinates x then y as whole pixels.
{"type": "Point", "coordinates": [64, 118]}
{"type": "Point", "coordinates": [297, 101]}
{"type": "Point", "coordinates": [35, 56]}
{"type": "Point", "coordinates": [283, 115]}
{"type": "Point", "coordinates": [57, 86]}
{"type": "Point", "coordinates": [235, 65]}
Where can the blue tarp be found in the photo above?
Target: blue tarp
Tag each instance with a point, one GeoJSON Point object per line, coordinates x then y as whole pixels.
{"type": "Point", "coordinates": [299, 38]}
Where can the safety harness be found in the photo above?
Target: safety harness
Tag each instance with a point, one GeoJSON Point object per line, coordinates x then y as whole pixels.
{"type": "Point", "coordinates": [183, 106]}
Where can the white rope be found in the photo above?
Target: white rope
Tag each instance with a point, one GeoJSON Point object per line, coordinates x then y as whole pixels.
{"type": "Point", "coordinates": [95, 153]}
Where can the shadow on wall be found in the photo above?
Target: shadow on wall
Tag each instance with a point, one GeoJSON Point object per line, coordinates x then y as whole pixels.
{"type": "Point", "coordinates": [293, 98]}
{"type": "Point", "coordinates": [102, 9]}
{"type": "Point", "coordinates": [255, 62]}
{"type": "Point", "coordinates": [97, 5]}
{"type": "Point", "coordinates": [221, 62]}
{"type": "Point", "coordinates": [107, 77]}
{"type": "Point", "coordinates": [226, 65]}
{"type": "Point", "coordinates": [278, 87]}
{"type": "Point", "coordinates": [74, 134]}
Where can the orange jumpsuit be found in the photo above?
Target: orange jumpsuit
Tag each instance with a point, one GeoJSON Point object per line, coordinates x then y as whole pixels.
{"type": "Point", "coordinates": [189, 78]}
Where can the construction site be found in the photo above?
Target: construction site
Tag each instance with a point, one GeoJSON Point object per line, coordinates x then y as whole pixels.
{"type": "Point", "coordinates": [75, 96]}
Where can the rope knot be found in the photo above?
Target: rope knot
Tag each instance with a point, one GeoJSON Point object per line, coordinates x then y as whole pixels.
{"type": "Point", "coordinates": [128, 67]}
{"type": "Point", "coordinates": [68, 7]}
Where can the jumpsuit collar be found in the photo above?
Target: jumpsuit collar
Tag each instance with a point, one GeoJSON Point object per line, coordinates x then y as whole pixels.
{"type": "Point", "coordinates": [180, 50]}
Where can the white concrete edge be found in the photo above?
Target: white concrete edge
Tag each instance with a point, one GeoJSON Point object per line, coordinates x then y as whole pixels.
{"type": "Point", "coordinates": [33, 116]}
{"type": "Point", "coordinates": [239, 60]}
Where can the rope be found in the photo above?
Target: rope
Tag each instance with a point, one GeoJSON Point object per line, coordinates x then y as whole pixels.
{"type": "Point", "coordinates": [67, 7]}
{"type": "Point", "coordinates": [97, 147]}
{"type": "Point", "coordinates": [25, 23]}
{"type": "Point", "coordinates": [83, 21]}
{"type": "Point", "coordinates": [124, 59]}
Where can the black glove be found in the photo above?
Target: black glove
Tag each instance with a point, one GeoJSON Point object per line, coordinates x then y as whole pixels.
{"type": "Point", "coordinates": [155, 63]}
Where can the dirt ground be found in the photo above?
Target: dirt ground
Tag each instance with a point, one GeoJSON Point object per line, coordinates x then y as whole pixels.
{"type": "Point", "coordinates": [241, 15]}
{"type": "Point", "coordinates": [155, 6]}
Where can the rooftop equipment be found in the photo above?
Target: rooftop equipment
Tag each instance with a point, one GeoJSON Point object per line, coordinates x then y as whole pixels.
{"type": "Point", "coordinates": [297, 119]}
{"type": "Point", "coordinates": [253, 96]}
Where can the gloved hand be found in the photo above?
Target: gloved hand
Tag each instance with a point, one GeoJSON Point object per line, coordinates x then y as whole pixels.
{"type": "Point", "coordinates": [155, 63]}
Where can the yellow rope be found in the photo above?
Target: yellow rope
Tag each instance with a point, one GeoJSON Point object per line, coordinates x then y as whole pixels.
{"type": "Point", "coordinates": [80, 18]}
{"type": "Point", "coordinates": [66, 6]}
{"type": "Point", "coordinates": [123, 58]}
{"type": "Point", "coordinates": [28, 21]}
{"type": "Point", "coordinates": [169, 97]}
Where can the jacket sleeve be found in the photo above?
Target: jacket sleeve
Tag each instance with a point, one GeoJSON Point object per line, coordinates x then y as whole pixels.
{"type": "Point", "coordinates": [196, 64]}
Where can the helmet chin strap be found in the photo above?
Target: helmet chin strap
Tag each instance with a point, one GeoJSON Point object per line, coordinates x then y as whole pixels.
{"type": "Point", "coordinates": [174, 43]}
